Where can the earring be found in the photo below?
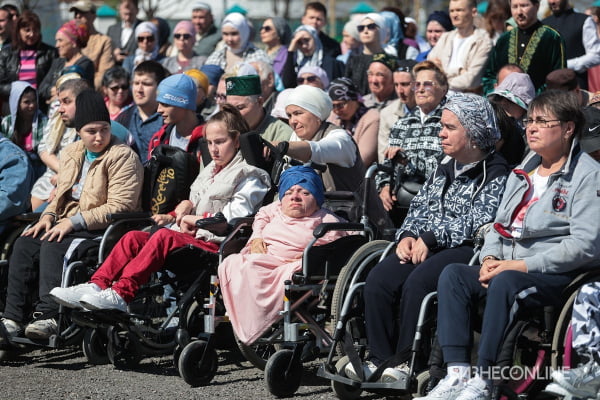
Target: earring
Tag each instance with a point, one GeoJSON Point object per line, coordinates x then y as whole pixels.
{"type": "Point", "coordinates": [474, 146]}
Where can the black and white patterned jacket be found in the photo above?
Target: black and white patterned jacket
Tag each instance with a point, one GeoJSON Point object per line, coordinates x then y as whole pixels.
{"type": "Point", "coordinates": [448, 210]}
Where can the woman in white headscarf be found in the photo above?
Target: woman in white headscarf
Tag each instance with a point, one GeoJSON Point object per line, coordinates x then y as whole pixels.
{"type": "Point", "coordinates": [237, 35]}
{"type": "Point", "coordinates": [146, 34]}
{"type": "Point", "coordinates": [306, 49]}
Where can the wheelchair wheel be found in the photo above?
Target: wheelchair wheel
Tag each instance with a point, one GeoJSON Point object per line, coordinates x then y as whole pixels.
{"type": "Point", "coordinates": [344, 392]}
{"type": "Point", "coordinates": [176, 356]}
{"type": "Point", "coordinates": [123, 349]}
{"type": "Point", "coordinates": [356, 270]}
{"type": "Point", "coordinates": [198, 363]}
{"type": "Point", "coordinates": [258, 354]}
{"type": "Point", "coordinates": [94, 347]}
{"type": "Point", "coordinates": [280, 381]}
{"type": "Point", "coordinates": [562, 352]}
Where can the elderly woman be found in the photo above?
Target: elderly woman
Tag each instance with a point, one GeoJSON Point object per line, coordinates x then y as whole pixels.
{"type": "Point", "coordinates": [237, 35]}
{"type": "Point", "coordinates": [117, 91]}
{"type": "Point", "coordinates": [313, 76]}
{"type": "Point", "coordinates": [184, 35]}
{"type": "Point", "coordinates": [306, 49]}
{"type": "Point", "coordinates": [542, 237]}
{"type": "Point", "coordinates": [460, 196]}
{"type": "Point", "coordinates": [27, 58]}
{"type": "Point", "coordinates": [315, 139]}
{"type": "Point", "coordinates": [350, 113]}
{"type": "Point", "coordinates": [98, 175]}
{"type": "Point", "coordinates": [275, 34]}
{"type": "Point", "coordinates": [373, 34]}
{"type": "Point", "coordinates": [70, 39]}
{"type": "Point", "coordinates": [416, 134]}
{"type": "Point", "coordinates": [227, 184]}
{"type": "Point", "coordinates": [146, 34]}
{"type": "Point", "coordinates": [252, 281]}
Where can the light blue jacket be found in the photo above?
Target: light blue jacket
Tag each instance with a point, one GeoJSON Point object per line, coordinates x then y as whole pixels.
{"type": "Point", "coordinates": [16, 179]}
{"type": "Point", "coordinates": [561, 231]}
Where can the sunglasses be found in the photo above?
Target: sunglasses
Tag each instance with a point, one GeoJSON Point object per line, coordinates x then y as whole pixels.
{"type": "Point", "coordinates": [116, 88]}
{"type": "Point", "coordinates": [370, 27]}
{"type": "Point", "coordinates": [145, 38]}
{"type": "Point", "coordinates": [266, 28]}
{"type": "Point", "coordinates": [184, 36]}
{"type": "Point", "coordinates": [308, 79]}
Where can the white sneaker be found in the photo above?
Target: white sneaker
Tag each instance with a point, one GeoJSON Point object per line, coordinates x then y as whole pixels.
{"type": "Point", "coordinates": [368, 369]}
{"type": "Point", "coordinates": [13, 328]}
{"type": "Point", "coordinates": [41, 329]}
{"type": "Point", "coordinates": [106, 299]}
{"type": "Point", "coordinates": [70, 296]}
{"type": "Point", "coordinates": [447, 389]}
{"type": "Point", "coordinates": [394, 374]}
{"type": "Point", "coordinates": [475, 389]}
{"type": "Point", "coordinates": [583, 381]}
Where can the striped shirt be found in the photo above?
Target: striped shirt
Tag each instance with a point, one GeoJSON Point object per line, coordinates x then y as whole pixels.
{"type": "Point", "coordinates": [27, 72]}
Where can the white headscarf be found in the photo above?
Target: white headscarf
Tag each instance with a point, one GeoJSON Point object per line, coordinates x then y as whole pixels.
{"type": "Point", "coordinates": [317, 57]}
{"type": "Point", "coordinates": [378, 20]}
{"type": "Point", "coordinates": [312, 99]}
{"type": "Point", "coordinates": [238, 22]}
{"type": "Point", "coordinates": [140, 55]}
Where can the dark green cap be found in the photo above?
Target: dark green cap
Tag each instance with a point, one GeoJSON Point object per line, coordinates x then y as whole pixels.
{"type": "Point", "coordinates": [246, 85]}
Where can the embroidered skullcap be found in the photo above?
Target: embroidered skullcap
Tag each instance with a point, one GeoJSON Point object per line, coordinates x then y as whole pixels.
{"type": "Point", "coordinates": [246, 85]}
{"type": "Point", "coordinates": [199, 77]}
{"type": "Point", "coordinates": [442, 18]}
{"type": "Point", "coordinates": [518, 88]}
{"type": "Point", "coordinates": [477, 116]}
{"type": "Point", "coordinates": [351, 29]}
{"type": "Point", "coordinates": [387, 60]}
{"type": "Point", "coordinates": [318, 71]}
{"type": "Point", "coordinates": [283, 29]}
{"type": "Point", "coordinates": [312, 99]}
{"type": "Point", "coordinates": [343, 89]}
{"type": "Point", "coordinates": [305, 177]}
{"type": "Point", "coordinates": [378, 20]}
{"type": "Point", "coordinates": [77, 33]}
{"type": "Point", "coordinates": [90, 107]}
{"type": "Point", "coordinates": [239, 23]}
{"type": "Point", "coordinates": [178, 90]}
{"type": "Point", "coordinates": [187, 27]}
{"type": "Point", "coordinates": [146, 27]}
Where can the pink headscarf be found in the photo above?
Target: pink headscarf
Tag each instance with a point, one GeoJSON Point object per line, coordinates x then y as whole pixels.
{"type": "Point", "coordinates": [186, 26]}
{"type": "Point", "coordinates": [77, 33]}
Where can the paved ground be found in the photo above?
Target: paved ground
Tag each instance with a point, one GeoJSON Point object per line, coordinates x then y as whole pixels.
{"type": "Point", "coordinates": [64, 374]}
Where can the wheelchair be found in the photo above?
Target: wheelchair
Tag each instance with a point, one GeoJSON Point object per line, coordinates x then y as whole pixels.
{"type": "Point", "coordinates": [80, 266]}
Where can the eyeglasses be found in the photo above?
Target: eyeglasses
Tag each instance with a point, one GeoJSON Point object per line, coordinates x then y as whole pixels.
{"type": "Point", "coordinates": [116, 88]}
{"type": "Point", "coordinates": [307, 79]}
{"type": "Point", "coordinates": [370, 27]}
{"type": "Point", "coordinates": [145, 38]}
{"type": "Point", "coordinates": [266, 28]}
{"type": "Point", "coordinates": [540, 122]}
{"type": "Point", "coordinates": [340, 105]}
{"type": "Point", "coordinates": [184, 36]}
{"type": "Point", "coordinates": [220, 97]}
{"type": "Point", "coordinates": [426, 85]}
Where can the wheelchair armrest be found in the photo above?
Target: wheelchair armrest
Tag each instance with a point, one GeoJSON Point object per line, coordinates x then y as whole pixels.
{"type": "Point", "coordinates": [322, 229]}
{"type": "Point", "coordinates": [340, 195]}
{"type": "Point", "coordinates": [128, 215]}
{"type": "Point", "coordinates": [241, 221]}
{"type": "Point", "coordinates": [479, 236]}
{"type": "Point", "coordinates": [28, 217]}
{"type": "Point", "coordinates": [216, 224]}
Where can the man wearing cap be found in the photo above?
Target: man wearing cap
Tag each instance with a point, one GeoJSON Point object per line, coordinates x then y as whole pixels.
{"type": "Point", "coordinates": [463, 52]}
{"type": "Point", "coordinates": [6, 27]}
{"type": "Point", "coordinates": [590, 140]}
{"type": "Point", "coordinates": [582, 42]}
{"type": "Point", "coordinates": [533, 46]}
{"type": "Point", "coordinates": [245, 94]}
{"type": "Point", "coordinates": [207, 34]}
{"type": "Point", "coordinates": [99, 47]}
{"type": "Point", "coordinates": [403, 105]}
{"type": "Point", "coordinates": [267, 84]}
{"type": "Point", "coordinates": [98, 175]}
{"type": "Point", "coordinates": [381, 81]}
{"type": "Point", "coordinates": [183, 128]}
{"type": "Point", "coordinates": [566, 79]}
{"type": "Point", "coordinates": [142, 118]}
{"type": "Point", "coordinates": [122, 33]}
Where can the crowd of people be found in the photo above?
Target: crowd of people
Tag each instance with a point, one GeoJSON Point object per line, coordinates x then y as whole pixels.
{"type": "Point", "coordinates": [495, 118]}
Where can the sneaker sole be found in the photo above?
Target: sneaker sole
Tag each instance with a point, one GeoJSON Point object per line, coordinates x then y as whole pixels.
{"type": "Point", "coordinates": [66, 303]}
{"type": "Point", "coordinates": [38, 335]}
{"type": "Point", "coordinates": [93, 307]}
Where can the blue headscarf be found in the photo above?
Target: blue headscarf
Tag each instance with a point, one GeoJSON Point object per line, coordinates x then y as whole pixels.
{"type": "Point", "coordinates": [305, 177]}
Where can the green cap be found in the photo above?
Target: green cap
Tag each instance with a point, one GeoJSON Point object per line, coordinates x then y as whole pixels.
{"type": "Point", "coordinates": [246, 85]}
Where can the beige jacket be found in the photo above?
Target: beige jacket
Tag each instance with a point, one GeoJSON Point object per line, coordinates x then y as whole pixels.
{"type": "Point", "coordinates": [467, 78]}
{"type": "Point", "coordinates": [99, 50]}
{"type": "Point", "coordinates": [388, 117]}
{"type": "Point", "coordinates": [113, 184]}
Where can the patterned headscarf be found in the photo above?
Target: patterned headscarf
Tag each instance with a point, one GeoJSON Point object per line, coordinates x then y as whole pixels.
{"type": "Point", "coordinates": [77, 33]}
{"type": "Point", "coordinates": [343, 89]}
{"type": "Point", "coordinates": [477, 116]}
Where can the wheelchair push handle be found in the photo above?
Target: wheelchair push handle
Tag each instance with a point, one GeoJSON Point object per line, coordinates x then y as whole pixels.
{"type": "Point", "coordinates": [322, 229]}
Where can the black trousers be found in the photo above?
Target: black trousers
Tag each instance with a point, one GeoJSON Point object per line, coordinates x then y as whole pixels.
{"type": "Point", "coordinates": [393, 294]}
{"type": "Point", "coordinates": [33, 259]}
